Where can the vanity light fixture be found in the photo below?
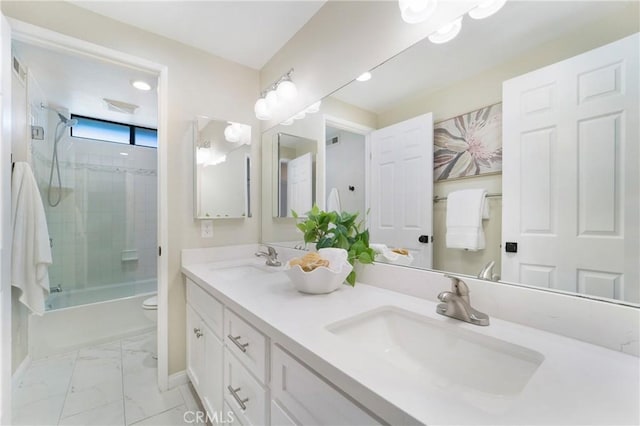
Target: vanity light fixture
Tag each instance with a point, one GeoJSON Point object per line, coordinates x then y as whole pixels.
{"type": "Point", "coordinates": [300, 115]}
{"type": "Point", "coordinates": [416, 11]}
{"type": "Point", "coordinates": [287, 122]}
{"type": "Point", "coordinates": [141, 85]}
{"type": "Point", "coordinates": [237, 133]}
{"type": "Point", "coordinates": [281, 90]}
{"type": "Point", "coordinates": [232, 133]}
{"type": "Point", "coordinates": [365, 76]}
{"type": "Point", "coordinates": [447, 32]}
{"type": "Point", "coordinates": [486, 9]}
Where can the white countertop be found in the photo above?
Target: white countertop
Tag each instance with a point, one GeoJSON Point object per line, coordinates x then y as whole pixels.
{"type": "Point", "coordinates": [577, 383]}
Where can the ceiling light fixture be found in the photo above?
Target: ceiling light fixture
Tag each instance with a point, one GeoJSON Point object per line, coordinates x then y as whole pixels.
{"type": "Point", "coordinates": [313, 108]}
{"type": "Point", "coordinates": [141, 85]}
{"type": "Point", "coordinates": [280, 91]}
{"type": "Point", "coordinates": [416, 11]}
{"type": "Point", "coordinates": [447, 32]}
{"type": "Point", "coordinates": [365, 76]}
{"type": "Point", "coordinates": [486, 9]}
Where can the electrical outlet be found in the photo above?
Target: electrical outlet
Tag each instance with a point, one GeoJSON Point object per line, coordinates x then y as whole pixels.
{"type": "Point", "coordinates": [206, 228]}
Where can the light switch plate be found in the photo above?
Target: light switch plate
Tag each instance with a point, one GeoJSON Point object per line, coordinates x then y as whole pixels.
{"type": "Point", "coordinates": [206, 228]}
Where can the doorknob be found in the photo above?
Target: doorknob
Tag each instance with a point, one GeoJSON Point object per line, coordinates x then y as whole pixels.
{"type": "Point", "coordinates": [424, 239]}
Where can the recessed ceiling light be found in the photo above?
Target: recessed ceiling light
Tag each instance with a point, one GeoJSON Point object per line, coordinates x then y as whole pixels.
{"type": "Point", "coordinates": [141, 85]}
{"type": "Point", "coordinates": [124, 153]}
{"type": "Point", "coordinates": [365, 76]}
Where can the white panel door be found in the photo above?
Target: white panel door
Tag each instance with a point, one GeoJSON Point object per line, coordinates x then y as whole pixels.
{"type": "Point", "coordinates": [402, 187]}
{"type": "Point", "coordinates": [570, 175]}
{"type": "Point", "coordinates": [300, 184]}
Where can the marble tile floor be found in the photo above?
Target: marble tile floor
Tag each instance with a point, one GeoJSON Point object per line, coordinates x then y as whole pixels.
{"type": "Point", "coordinates": [109, 384]}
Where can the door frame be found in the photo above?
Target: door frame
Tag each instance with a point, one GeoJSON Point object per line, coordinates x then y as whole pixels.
{"type": "Point", "coordinates": [359, 129]}
{"type": "Point", "coordinates": [43, 37]}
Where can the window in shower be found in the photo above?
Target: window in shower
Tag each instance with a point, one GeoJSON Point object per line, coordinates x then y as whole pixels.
{"type": "Point", "coordinates": [109, 131]}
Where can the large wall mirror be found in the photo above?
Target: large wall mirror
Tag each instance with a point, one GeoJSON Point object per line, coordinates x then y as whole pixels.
{"type": "Point", "coordinates": [222, 165]}
{"type": "Point", "coordinates": [455, 90]}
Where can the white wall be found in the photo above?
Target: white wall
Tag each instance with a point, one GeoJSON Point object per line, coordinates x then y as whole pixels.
{"type": "Point", "coordinates": [198, 84]}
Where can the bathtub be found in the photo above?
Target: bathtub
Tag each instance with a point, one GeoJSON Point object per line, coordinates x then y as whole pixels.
{"type": "Point", "coordinates": [75, 319]}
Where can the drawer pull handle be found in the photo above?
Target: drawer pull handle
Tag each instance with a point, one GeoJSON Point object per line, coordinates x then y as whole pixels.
{"type": "Point", "coordinates": [234, 394]}
{"type": "Point", "coordinates": [235, 340]}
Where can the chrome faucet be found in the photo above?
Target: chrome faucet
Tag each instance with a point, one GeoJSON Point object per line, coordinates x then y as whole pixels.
{"type": "Point", "coordinates": [486, 273]}
{"type": "Point", "coordinates": [272, 256]}
{"type": "Point", "coordinates": [456, 304]}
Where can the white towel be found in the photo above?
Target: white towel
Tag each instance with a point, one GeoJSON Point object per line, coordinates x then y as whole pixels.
{"type": "Point", "coordinates": [465, 210]}
{"type": "Point", "coordinates": [31, 252]}
{"type": "Point", "coordinates": [333, 201]}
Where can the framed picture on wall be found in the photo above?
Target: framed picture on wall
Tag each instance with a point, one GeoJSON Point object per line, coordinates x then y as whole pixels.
{"type": "Point", "coordinates": [469, 144]}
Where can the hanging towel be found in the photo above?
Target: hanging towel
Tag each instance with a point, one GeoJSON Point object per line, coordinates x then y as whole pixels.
{"type": "Point", "coordinates": [31, 252]}
{"type": "Point", "coordinates": [465, 210]}
{"type": "Point", "coordinates": [333, 201]}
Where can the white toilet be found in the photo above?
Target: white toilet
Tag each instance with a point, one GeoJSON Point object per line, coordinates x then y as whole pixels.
{"type": "Point", "coordinates": [150, 307]}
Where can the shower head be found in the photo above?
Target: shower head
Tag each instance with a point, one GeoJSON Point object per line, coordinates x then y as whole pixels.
{"type": "Point", "coordinates": [69, 122]}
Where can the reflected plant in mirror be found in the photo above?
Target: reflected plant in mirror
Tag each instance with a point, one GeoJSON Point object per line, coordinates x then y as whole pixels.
{"type": "Point", "coordinates": [562, 214]}
{"type": "Point", "coordinates": [222, 169]}
{"type": "Point", "coordinates": [337, 230]}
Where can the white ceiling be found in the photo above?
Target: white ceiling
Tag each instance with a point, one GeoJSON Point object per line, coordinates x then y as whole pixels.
{"type": "Point", "coordinates": [481, 45]}
{"type": "Point", "coordinates": [78, 84]}
{"type": "Point", "coordinates": [246, 32]}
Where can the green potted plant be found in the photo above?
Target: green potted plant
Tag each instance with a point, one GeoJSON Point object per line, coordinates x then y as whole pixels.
{"type": "Point", "coordinates": [338, 230]}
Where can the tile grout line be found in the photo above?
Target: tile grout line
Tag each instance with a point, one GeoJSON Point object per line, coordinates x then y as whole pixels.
{"type": "Point", "coordinates": [75, 360]}
{"type": "Point", "coordinates": [157, 414]}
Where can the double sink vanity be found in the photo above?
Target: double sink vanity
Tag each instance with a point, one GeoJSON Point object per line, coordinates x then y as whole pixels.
{"type": "Point", "coordinates": [369, 355]}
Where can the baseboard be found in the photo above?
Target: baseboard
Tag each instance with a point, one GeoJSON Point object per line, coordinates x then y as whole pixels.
{"type": "Point", "coordinates": [177, 379]}
{"type": "Point", "coordinates": [22, 368]}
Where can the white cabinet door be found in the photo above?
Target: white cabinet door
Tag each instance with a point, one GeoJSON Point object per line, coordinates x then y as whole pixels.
{"type": "Point", "coordinates": [212, 375]}
{"type": "Point", "coordinates": [195, 349]}
{"type": "Point", "coordinates": [244, 394]}
{"type": "Point", "coordinates": [402, 187]}
{"type": "Point", "coordinates": [308, 399]}
{"type": "Point", "coordinates": [300, 184]}
{"type": "Point", "coordinates": [570, 177]}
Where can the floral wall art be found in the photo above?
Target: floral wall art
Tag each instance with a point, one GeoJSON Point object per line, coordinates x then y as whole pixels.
{"type": "Point", "coordinates": [469, 144]}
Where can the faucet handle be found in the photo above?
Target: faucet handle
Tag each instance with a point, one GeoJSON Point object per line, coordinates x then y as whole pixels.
{"type": "Point", "coordinates": [458, 286]}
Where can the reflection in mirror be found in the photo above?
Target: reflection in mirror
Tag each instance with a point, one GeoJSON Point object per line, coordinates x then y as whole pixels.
{"type": "Point", "coordinates": [222, 156]}
{"type": "Point", "coordinates": [295, 157]}
{"type": "Point", "coordinates": [555, 188]}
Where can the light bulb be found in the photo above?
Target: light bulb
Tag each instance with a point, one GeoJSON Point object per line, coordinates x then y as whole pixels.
{"type": "Point", "coordinates": [486, 9]}
{"type": "Point", "coordinates": [231, 133]}
{"type": "Point", "coordinates": [416, 11]}
{"type": "Point", "coordinates": [300, 115]}
{"type": "Point", "coordinates": [261, 110]}
{"type": "Point", "coordinates": [313, 108]}
{"type": "Point", "coordinates": [447, 32]}
{"type": "Point", "coordinates": [287, 90]}
{"type": "Point", "coordinates": [272, 100]}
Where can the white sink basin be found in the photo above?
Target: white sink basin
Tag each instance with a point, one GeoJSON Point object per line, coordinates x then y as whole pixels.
{"type": "Point", "coordinates": [447, 355]}
{"type": "Point", "coordinates": [243, 271]}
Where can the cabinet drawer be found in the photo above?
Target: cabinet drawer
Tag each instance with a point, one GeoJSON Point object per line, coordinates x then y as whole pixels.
{"type": "Point", "coordinates": [207, 307]}
{"type": "Point", "coordinates": [244, 394]}
{"type": "Point", "coordinates": [247, 343]}
{"type": "Point", "coordinates": [308, 398]}
{"type": "Point", "coordinates": [279, 417]}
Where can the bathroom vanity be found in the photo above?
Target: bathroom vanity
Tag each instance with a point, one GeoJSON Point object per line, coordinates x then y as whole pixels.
{"type": "Point", "coordinates": [368, 355]}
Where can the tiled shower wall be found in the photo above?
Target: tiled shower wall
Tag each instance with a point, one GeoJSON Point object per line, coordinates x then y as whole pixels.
{"type": "Point", "coordinates": [104, 229]}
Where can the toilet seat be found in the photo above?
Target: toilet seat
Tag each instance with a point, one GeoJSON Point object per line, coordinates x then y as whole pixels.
{"type": "Point", "coordinates": [150, 303]}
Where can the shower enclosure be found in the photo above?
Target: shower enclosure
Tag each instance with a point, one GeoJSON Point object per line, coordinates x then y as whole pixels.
{"type": "Point", "coordinates": [100, 201]}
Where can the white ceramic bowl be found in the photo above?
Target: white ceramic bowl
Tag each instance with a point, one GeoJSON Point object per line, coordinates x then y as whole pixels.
{"type": "Point", "coordinates": [321, 280]}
